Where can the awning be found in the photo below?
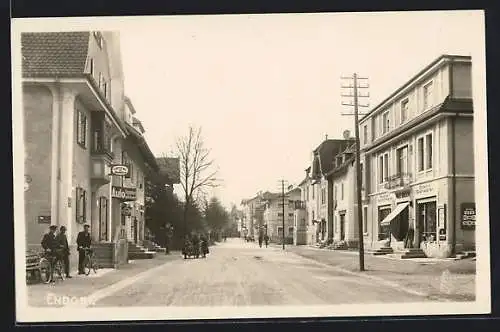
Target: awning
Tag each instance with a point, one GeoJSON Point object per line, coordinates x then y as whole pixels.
{"type": "Point", "coordinates": [387, 220]}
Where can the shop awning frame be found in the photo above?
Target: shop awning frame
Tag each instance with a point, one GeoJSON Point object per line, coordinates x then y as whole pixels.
{"type": "Point", "coordinates": [394, 213]}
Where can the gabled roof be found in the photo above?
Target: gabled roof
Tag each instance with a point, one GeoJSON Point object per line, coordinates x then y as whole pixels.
{"type": "Point", "coordinates": [324, 155]}
{"type": "Point", "coordinates": [54, 53]}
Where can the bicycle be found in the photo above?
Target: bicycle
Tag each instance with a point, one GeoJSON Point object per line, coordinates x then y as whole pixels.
{"type": "Point", "coordinates": [49, 264]}
{"type": "Point", "coordinates": [89, 263]}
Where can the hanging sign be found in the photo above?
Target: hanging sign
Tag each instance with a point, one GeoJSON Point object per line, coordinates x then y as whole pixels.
{"type": "Point", "coordinates": [123, 193]}
{"type": "Point", "coordinates": [119, 170]}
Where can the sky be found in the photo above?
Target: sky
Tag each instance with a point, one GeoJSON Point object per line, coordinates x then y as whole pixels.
{"type": "Point", "coordinates": [266, 88]}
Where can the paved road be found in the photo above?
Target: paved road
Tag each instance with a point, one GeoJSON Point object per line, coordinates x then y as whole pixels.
{"type": "Point", "coordinates": [237, 273]}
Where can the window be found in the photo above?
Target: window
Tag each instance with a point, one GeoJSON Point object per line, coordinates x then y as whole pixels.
{"type": "Point", "coordinates": [307, 193]}
{"type": "Point", "coordinates": [313, 191]}
{"type": "Point", "coordinates": [335, 193]}
{"type": "Point", "coordinates": [290, 231]}
{"type": "Point", "coordinates": [362, 177]}
{"type": "Point", "coordinates": [91, 66]}
{"type": "Point", "coordinates": [105, 89]}
{"type": "Point", "coordinates": [427, 95]}
{"type": "Point", "coordinates": [420, 154]}
{"type": "Point", "coordinates": [428, 148]}
{"type": "Point", "coordinates": [81, 130]}
{"type": "Point", "coordinates": [342, 191]}
{"type": "Point", "coordinates": [365, 219]}
{"type": "Point", "coordinates": [383, 167]}
{"type": "Point", "coordinates": [385, 122]}
{"type": "Point", "coordinates": [365, 134]}
{"type": "Point", "coordinates": [323, 194]}
{"type": "Point", "coordinates": [402, 161]}
{"type": "Point", "coordinates": [280, 214]}
{"type": "Point", "coordinates": [81, 205]}
{"type": "Point", "coordinates": [404, 110]}
{"type": "Point", "coordinates": [98, 38]}
{"type": "Point", "coordinates": [313, 215]}
{"type": "Point", "coordinates": [290, 214]}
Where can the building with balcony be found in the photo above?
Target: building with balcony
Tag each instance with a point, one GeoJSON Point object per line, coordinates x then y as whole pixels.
{"type": "Point", "coordinates": [74, 131]}
{"type": "Point", "coordinates": [418, 156]}
{"type": "Point", "coordinates": [342, 180]}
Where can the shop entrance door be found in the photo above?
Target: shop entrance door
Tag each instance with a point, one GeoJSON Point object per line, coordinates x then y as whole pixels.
{"type": "Point", "coordinates": [426, 218]}
{"type": "Point", "coordinates": [103, 219]}
{"type": "Point", "coordinates": [135, 230]}
{"type": "Point", "coordinates": [383, 231]}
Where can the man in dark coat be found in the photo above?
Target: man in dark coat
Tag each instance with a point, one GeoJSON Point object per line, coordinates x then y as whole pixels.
{"type": "Point", "coordinates": [62, 241]}
{"type": "Point", "coordinates": [82, 241]}
{"type": "Point", "coordinates": [49, 242]}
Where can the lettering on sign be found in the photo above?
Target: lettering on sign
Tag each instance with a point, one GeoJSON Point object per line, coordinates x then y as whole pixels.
{"type": "Point", "coordinates": [123, 193]}
{"type": "Point", "coordinates": [425, 189]}
{"type": "Point", "coordinates": [468, 215]}
{"type": "Point", "coordinates": [385, 198]}
{"type": "Point", "coordinates": [119, 170]}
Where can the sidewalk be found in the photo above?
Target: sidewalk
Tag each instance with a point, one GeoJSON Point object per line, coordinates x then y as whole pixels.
{"type": "Point", "coordinates": [450, 279]}
{"type": "Point", "coordinates": [80, 286]}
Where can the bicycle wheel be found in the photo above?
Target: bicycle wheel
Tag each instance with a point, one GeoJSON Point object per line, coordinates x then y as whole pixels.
{"type": "Point", "coordinates": [45, 271]}
{"type": "Point", "coordinates": [87, 265]}
{"type": "Point", "coordinates": [95, 266]}
{"type": "Point", "coordinates": [59, 269]}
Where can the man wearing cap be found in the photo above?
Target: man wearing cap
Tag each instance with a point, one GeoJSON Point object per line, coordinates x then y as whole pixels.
{"type": "Point", "coordinates": [82, 241]}
{"type": "Point", "coordinates": [62, 240]}
{"type": "Point", "coordinates": [49, 242]}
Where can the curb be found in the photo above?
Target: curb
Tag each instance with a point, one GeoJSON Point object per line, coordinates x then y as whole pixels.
{"type": "Point", "coordinates": [373, 278]}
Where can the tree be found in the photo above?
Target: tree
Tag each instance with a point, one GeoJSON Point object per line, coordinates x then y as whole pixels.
{"type": "Point", "coordinates": [216, 216]}
{"type": "Point", "coordinates": [196, 170]}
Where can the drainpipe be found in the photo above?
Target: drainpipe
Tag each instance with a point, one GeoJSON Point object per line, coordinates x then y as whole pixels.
{"type": "Point", "coordinates": [454, 188]}
{"type": "Point", "coordinates": [60, 111]}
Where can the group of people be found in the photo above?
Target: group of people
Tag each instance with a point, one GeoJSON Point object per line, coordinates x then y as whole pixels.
{"type": "Point", "coordinates": [263, 238]}
{"type": "Point", "coordinates": [55, 245]}
{"type": "Point", "coordinates": [195, 245]}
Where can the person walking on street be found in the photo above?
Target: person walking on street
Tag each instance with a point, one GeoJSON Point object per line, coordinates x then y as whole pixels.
{"type": "Point", "coordinates": [83, 241]}
{"type": "Point", "coordinates": [62, 241]}
{"type": "Point", "coordinates": [260, 240]}
{"type": "Point", "coordinates": [266, 239]}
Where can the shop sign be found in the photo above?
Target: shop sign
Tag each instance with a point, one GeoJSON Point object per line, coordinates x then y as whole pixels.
{"type": "Point", "coordinates": [426, 189]}
{"type": "Point", "coordinates": [119, 170]}
{"type": "Point", "coordinates": [44, 219]}
{"type": "Point", "coordinates": [385, 198]}
{"type": "Point", "coordinates": [468, 213]}
{"type": "Point", "coordinates": [123, 193]}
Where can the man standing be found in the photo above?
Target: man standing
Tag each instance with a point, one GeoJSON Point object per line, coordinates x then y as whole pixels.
{"type": "Point", "coordinates": [83, 241]}
{"type": "Point", "coordinates": [62, 241]}
{"type": "Point", "coordinates": [49, 242]}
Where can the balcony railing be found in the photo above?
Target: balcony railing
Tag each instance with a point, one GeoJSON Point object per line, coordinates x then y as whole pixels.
{"type": "Point", "coordinates": [398, 180]}
{"type": "Point", "coordinates": [300, 205]}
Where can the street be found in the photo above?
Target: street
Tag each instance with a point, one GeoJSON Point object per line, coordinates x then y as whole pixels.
{"type": "Point", "coordinates": [238, 273]}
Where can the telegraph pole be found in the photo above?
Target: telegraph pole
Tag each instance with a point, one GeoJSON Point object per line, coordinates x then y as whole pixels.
{"type": "Point", "coordinates": [283, 209]}
{"type": "Point", "coordinates": [356, 95]}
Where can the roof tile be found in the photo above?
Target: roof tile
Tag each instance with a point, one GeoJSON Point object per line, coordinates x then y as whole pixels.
{"type": "Point", "coordinates": [54, 53]}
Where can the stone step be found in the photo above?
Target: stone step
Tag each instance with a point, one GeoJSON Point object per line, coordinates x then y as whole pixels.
{"type": "Point", "coordinates": [142, 255]}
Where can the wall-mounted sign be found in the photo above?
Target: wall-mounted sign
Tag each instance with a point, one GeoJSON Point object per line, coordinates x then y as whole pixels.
{"type": "Point", "coordinates": [119, 170]}
{"type": "Point", "coordinates": [425, 189]}
{"type": "Point", "coordinates": [468, 215]}
{"type": "Point", "coordinates": [385, 198]}
{"type": "Point", "coordinates": [44, 219]}
{"type": "Point", "coordinates": [123, 193]}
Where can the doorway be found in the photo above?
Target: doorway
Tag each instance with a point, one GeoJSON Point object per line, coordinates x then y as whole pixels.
{"type": "Point", "coordinates": [426, 219]}
{"type": "Point", "coordinates": [103, 219]}
{"type": "Point", "coordinates": [135, 229]}
{"type": "Point", "coordinates": [383, 230]}
{"type": "Point", "coordinates": [342, 227]}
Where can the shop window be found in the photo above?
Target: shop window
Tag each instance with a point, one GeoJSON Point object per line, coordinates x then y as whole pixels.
{"type": "Point", "coordinates": [81, 129]}
{"type": "Point", "coordinates": [81, 205]}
